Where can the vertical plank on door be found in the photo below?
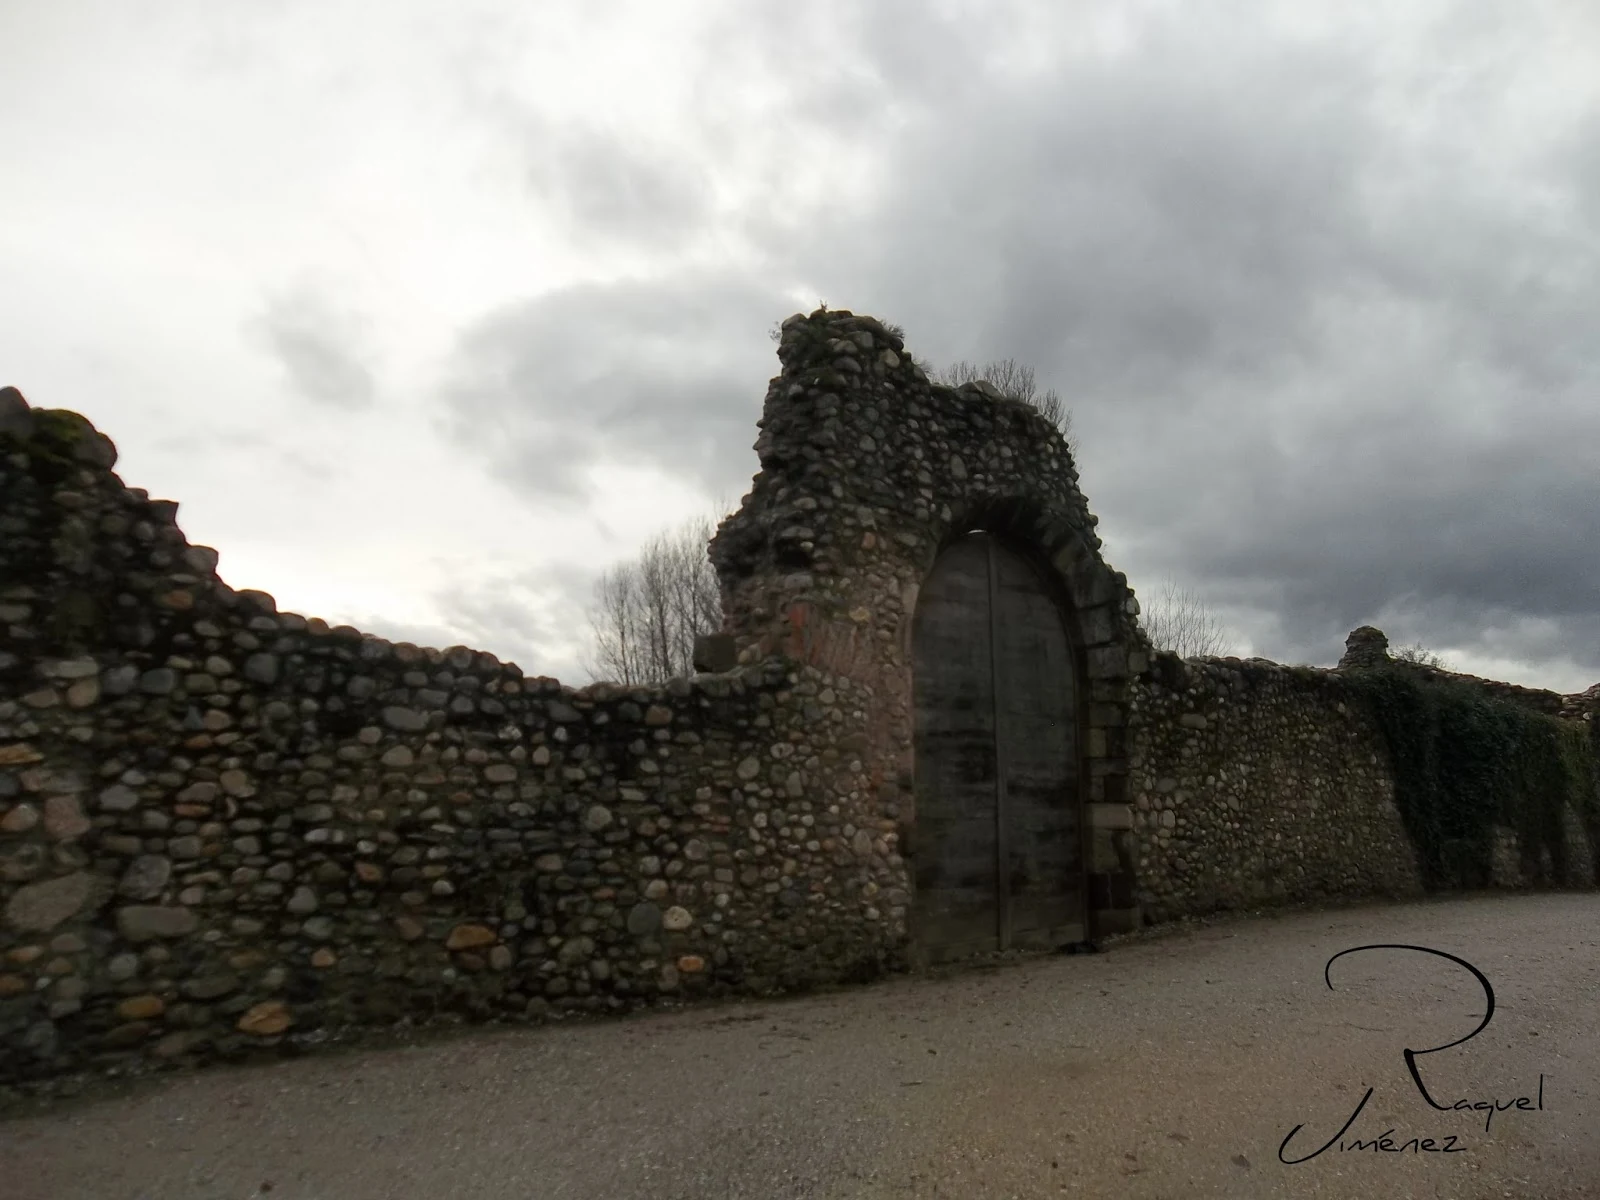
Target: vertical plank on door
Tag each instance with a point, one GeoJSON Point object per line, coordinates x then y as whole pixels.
{"type": "Point", "coordinates": [1041, 876]}
{"type": "Point", "coordinates": [957, 909]}
{"type": "Point", "coordinates": [1002, 854]}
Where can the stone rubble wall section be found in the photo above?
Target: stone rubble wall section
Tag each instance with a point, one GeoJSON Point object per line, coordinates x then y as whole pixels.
{"type": "Point", "coordinates": [1258, 784]}
{"type": "Point", "coordinates": [224, 826]}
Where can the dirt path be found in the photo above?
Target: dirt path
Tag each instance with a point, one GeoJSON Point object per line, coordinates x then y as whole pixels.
{"type": "Point", "coordinates": [1169, 1067]}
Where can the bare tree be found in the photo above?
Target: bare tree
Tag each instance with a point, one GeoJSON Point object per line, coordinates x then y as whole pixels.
{"type": "Point", "coordinates": [1419, 654]}
{"type": "Point", "coordinates": [1014, 380]}
{"type": "Point", "coordinates": [647, 613]}
{"type": "Point", "coordinates": [1179, 621]}
{"type": "Point", "coordinates": [616, 652]}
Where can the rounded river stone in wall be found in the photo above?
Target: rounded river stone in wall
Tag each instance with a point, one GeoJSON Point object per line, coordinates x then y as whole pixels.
{"type": "Point", "coordinates": [644, 919]}
{"type": "Point", "coordinates": [146, 877]}
{"type": "Point", "coordinates": [141, 923]}
{"type": "Point", "coordinates": [40, 907]}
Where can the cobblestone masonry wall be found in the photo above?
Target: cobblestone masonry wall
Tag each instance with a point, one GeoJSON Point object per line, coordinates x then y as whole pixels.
{"type": "Point", "coordinates": [1257, 784]}
{"type": "Point", "coordinates": [224, 827]}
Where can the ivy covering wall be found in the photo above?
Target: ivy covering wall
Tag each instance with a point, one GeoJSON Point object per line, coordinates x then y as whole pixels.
{"type": "Point", "coordinates": [1467, 765]}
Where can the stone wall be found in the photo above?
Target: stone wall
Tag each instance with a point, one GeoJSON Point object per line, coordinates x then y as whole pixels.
{"type": "Point", "coordinates": [1258, 784]}
{"type": "Point", "coordinates": [221, 825]}
{"type": "Point", "coordinates": [1514, 865]}
{"type": "Point", "coordinates": [225, 827]}
{"type": "Point", "coordinates": [868, 472]}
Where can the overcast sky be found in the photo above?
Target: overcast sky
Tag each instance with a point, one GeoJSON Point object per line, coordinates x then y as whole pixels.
{"type": "Point", "coordinates": [426, 313]}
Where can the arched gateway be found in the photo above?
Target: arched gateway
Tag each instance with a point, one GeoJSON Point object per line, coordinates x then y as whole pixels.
{"type": "Point", "coordinates": [997, 680]}
{"type": "Point", "coordinates": [981, 798]}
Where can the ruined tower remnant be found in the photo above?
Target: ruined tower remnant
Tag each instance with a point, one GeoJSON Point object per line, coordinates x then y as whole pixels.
{"type": "Point", "coordinates": [1365, 647]}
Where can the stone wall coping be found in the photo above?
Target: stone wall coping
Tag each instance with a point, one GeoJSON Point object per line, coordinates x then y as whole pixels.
{"type": "Point", "coordinates": [1164, 664]}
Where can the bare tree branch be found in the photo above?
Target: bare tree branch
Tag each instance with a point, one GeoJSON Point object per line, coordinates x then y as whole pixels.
{"type": "Point", "coordinates": [1179, 621]}
{"type": "Point", "coordinates": [1419, 654]}
{"type": "Point", "coordinates": [613, 619]}
{"type": "Point", "coordinates": [648, 612]}
{"type": "Point", "coordinates": [1016, 381]}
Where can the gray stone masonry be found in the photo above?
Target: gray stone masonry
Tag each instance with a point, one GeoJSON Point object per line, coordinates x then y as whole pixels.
{"type": "Point", "coordinates": [225, 827]}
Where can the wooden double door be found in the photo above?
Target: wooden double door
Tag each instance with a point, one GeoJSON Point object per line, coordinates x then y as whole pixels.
{"type": "Point", "coordinates": [998, 847]}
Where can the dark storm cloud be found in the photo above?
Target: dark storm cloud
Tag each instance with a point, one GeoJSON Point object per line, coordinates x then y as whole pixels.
{"type": "Point", "coordinates": [1325, 365]}
{"type": "Point", "coordinates": [318, 346]}
{"type": "Point", "coordinates": [1322, 300]}
{"type": "Point", "coordinates": [669, 375]}
{"type": "Point", "coordinates": [1131, 225]}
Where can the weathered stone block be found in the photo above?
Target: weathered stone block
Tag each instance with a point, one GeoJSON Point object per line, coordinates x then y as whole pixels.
{"type": "Point", "coordinates": [397, 756]}
{"type": "Point", "coordinates": [141, 1008]}
{"type": "Point", "coordinates": [143, 923]}
{"type": "Point", "coordinates": [1096, 625]}
{"type": "Point", "coordinates": [1107, 662]}
{"type": "Point", "coordinates": [64, 819]}
{"type": "Point", "coordinates": [406, 720]}
{"type": "Point", "coordinates": [158, 681]}
{"type": "Point", "coordinates": [211, 987]}
{"type": "Point", "coordinates": [146, 877]}
{"type": "Point", "coordinates": [40, 907]}
{"type": "Point", "coordinates": [16, 417]}
{"type": "Point", "coordinates": [644, 919]}
{"type": "Point", "coordinates": [466, 937]}
{"type": "Point", "coordinates": [1109, 816]}
{"type": "Point", "coordinates": [267, 1019]}
{"type": "Point", "coordinates": [19, 819]}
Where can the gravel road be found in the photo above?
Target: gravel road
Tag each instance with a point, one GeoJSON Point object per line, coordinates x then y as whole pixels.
{"type": "Point", "coordinates": [1171, 1065]}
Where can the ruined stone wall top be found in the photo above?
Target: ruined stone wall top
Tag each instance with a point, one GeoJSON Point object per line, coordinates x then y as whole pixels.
{"type": "Point", "coordinates": [867, 469]}
{"type": "Point", "coordinates": [1367, 648]}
